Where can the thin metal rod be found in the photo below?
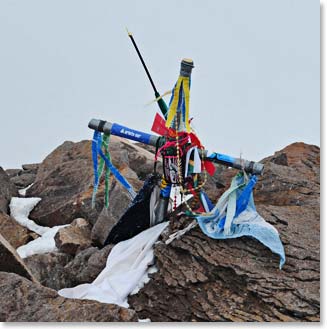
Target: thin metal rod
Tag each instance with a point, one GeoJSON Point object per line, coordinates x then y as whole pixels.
{"type": "Point", "coordinates": [141, 58]}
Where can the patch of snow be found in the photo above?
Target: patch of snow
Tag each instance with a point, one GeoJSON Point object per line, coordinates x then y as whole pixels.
{"type": "Point", "coordinates": [127, 268]}
{"type": "Point", "coordinates": [144, 320]}
{"type": "Point", "coordinates": [20, 209]}
{"type": "Point", "coordinates": [41, 245]}
{"type": "Point", "coordinates": [22, 192]}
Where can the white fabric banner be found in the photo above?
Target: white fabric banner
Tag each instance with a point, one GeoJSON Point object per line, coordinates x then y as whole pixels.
{"type": "Point", "coordinates": [126, 271]}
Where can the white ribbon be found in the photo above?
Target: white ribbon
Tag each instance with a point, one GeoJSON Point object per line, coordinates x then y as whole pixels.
{"type": "Point", "coordinates": [197, 161]}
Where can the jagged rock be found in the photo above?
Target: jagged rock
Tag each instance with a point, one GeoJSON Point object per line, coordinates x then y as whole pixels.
{"type": "Point", "coordinates": [119, 200]}
{"type": "Point", "coordinates": [291, 177]}
{"type": "Point", "coordinates": [10, 260]}
{"type": "Point", "coordinates": [22, 301]}
{"type": "Point", "coordinates": [58, 270]}
{"type": "Point", "coordinates": [31, 168]}
{"type": "Point", "coordinates": [295, 180]}
{"type": "Point", "coordinates": [13, 232]}
{"type": "Point", "coordinates": [201, 279]}
{"type": "Point", "coordinates": [7, 191]}
{"type": "Point", "coordinates": [198, 278]}
{"type": "Point", "coordinates": [298, 155]}
{"type": "Point", "coordinates": [86, 266]}
{"type": "Point", "coordinates": [103, 226]}
{"type": "Point", "coordinates": [13, 172]}
{"type": "Point", "coordinates": [23, 180]}
{"type": "Point", "coordinates": [74, 238]}
{"type": "Point", "coordinates": [65, 180]}
{"type": "Point", "coordinates": [49, 270]}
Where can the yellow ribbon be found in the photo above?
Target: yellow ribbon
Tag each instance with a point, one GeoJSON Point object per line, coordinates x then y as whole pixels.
{"type": "Point", "coordinates": [182, 82]}
{"type": "Point", "coordinates": [186, 89]}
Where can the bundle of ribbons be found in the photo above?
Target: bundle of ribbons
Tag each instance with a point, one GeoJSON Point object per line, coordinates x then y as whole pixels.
{"type": "Point", "coordinates": [102, 164]}
{"type": "Point", "coordinates": [234, 214]}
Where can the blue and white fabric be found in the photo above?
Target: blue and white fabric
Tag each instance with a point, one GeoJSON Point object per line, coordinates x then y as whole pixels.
{"type": "Point", "coordinates": [235, 216]}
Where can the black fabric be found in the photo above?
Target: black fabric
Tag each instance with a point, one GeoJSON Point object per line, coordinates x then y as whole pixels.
{"type": "Point", "coordinates": [136, 218]}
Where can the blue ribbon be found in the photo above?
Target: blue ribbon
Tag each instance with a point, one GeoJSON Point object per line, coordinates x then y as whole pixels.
{"type": "Point", "coordinates": [114, 170]}
{"type": "Point", "coordinates": [95, 165]}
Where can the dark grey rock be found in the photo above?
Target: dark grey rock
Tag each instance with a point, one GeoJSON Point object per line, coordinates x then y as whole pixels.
{"type": "Point", "coordinates": [23, 180]}
{"type": "Point", "coordinates": [13, 232]}
{"type": "Point", "coordinates": [10, 260]}
{"type": "Point", "coordinates": [74, 238]}
{"type": "Point", "coordinates": [65, 181]}
{"type": "Point", "coordinates": [13, 172]}
{"type": "Point", "coordinates": [119, 200]}
{"type": "Point", "coordinates": [48, 269]}
{"type": "Point", "coordinates": [7, 191]}
{"type": "Point", "coordinates": [31, 168]}
{"type": "Point", "coordinates": [24, 301]}
{"type": "Point", "coordinates": [87, 265]}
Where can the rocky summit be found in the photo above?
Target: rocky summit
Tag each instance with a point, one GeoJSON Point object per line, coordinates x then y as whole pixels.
{"type": "Point", "coordinates": [197, 278]}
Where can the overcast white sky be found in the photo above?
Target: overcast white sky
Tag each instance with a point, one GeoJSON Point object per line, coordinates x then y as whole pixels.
{"type": "Point", "coordinates": [255, 85]}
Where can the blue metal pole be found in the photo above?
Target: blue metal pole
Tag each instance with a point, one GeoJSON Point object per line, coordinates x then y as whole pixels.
{"type": "Point", "coordinates": [139, 136]}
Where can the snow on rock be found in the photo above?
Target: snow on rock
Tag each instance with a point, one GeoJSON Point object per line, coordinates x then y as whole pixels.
{"type": "Point", "coordinates": [41, 245]}
{"type": "Point", "coordinates": [20, 209]}
{"type": "Point", "coordinates": [22, 192]}
{"type": "Point", "coordinates": [144, 320]}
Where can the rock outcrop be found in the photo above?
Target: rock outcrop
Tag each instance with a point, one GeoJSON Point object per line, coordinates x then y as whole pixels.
{"type": "Point", "coordinates": [24, 177]}
{"type": "Point", "coordinates": [201, 279]}
{"type": "Point", "coordinates": [23, 180]}
{"type": "Point", "coordinates": [49, 269]}
{"type": "Point", "coordinates": [59, 270]}
{"type": "Point", "coordinates": [65, 181]}
{"type": "Point", "coordinates": [119, 200]}
{"type": "Point", "coordinates": [198, 278]}
{"type": "Point", "coordinates": [11, 262]}
{"type": "Point", "coordinates": [13, 232]}
{"type": "Point", "coordinates": [22, 300]}
{"type": "Point", "coordinates": [291, 177]}
{"type": "Point", "coordinates": [87, 265]}
{"type": "Point", "coordinates": [74, 238]}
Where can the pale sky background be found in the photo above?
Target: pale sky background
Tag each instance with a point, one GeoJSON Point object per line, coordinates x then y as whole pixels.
{"type": "Point", "coordinates": [255, 85]}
